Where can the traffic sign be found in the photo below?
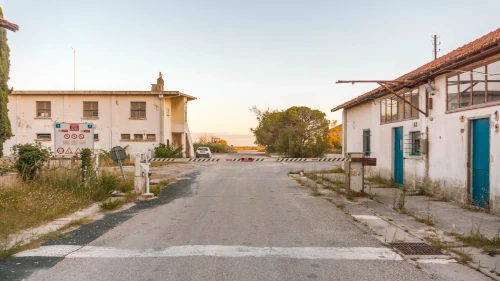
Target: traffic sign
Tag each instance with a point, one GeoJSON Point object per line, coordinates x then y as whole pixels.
{"type": "Point", "coordinates": [118, 154]}
{"type": "Point", "coordinates": [71, 138]}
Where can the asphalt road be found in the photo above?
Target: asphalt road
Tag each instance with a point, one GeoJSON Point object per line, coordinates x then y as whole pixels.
{"type": "Point", "coordinates": [229, 221]}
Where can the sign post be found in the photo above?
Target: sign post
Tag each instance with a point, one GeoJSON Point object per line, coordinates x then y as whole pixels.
{"type": "Point", "coordinates": [71, 138]}
{"type": "Point", "coordinates": [118, 154]}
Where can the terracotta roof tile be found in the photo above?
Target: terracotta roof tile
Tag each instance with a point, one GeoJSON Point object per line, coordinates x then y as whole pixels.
{"type": "Point", "coordinates": [436, 66]}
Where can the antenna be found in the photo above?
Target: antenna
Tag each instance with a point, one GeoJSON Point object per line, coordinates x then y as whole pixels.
{"type": "Point", "coordinates": [435, 43]}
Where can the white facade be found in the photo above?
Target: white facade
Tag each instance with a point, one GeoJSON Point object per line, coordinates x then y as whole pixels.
{"type": "Point", "coordinates": [446, 166]}
{"type": "Point", "coordinates": [164, 119]}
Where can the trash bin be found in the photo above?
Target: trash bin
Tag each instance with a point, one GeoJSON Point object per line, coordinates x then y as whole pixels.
{"type": "Point", "coordinates": [355, 172]}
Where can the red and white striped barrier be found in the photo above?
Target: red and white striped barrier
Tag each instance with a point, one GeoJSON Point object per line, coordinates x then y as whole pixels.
{"type": "Point", "coordinates": [250, 159]}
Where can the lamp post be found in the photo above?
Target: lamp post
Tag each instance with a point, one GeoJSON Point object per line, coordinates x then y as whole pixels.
{"type": "Point", "coordinates": [74, 69]}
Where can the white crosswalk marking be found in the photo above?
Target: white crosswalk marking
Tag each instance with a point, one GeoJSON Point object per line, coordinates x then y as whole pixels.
{"type": "Point", "coordinates": [327, 253]}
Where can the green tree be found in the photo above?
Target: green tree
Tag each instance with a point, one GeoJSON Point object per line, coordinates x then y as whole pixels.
{"type": "Point", "coordinates": [5, 129]}
{"type": "Point", "coordinates": [296, 132]}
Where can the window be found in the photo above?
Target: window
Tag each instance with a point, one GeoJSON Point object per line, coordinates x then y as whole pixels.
{"type": "Point", "coordinates": [90, 109]}
{"type": "Point", "coordinates": [393, 109]}
{"type": "Point", "coordinates": [138, 137]}
{"type": "Point", "coordinates": [366, 142]}
{"type": "Point", "coordinates": [138, 110]}
{"type": "Point", "coordinates": [493, 81]}
{"type": "Point", "coordinates": [44, 137]}
{"type": "Point", "coordinates": [43, 109]}
{"type": "Point", "coordinates": [151, 137]}
{"type": "Point", "coordinates": [96, 137]}
{"type": "Point", "coordinates": [453, 92]}
{"type": "Point", "coordinates": [474, 87]}
{"type": "Point", "coordinates": [167, 111]}
{"type": "Point", "coordinates": [125, 137]}
{"type": "Point", "coordinates": [464, 89]}
{"type": "Point", "coordinates": [415, 143]}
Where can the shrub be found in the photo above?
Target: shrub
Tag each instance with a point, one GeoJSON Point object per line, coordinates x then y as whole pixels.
{"type": "Point", "coordinates": [214, 147]}
{"type": "Point", "coordinates": [31, 159]}
{"type": "Point", "coordinates": [167, 151]}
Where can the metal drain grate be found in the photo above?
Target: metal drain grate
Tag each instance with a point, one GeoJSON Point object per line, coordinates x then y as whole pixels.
{"type": "Point", "coordinates": [415, 249]}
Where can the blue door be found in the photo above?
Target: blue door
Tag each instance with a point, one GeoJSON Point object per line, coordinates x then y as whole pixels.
{"type": "Point", "coordinates": [398, 155]}
{"type": "Point", "coordinates": [481, 162]}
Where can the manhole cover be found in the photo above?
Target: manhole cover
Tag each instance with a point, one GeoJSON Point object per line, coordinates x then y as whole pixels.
{"type": "Point", "coordinates": [415, 249]}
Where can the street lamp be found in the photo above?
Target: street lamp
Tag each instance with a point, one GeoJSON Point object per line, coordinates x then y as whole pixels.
{"type": "Point", "coordinates": [74, 69]}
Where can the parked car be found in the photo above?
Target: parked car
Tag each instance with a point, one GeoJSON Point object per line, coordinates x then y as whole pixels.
{"type": "Point", "coordinates": [203, 152]}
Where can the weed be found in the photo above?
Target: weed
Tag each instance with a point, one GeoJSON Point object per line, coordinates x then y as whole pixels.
{"type": "Point", "coordinates": [463, 256]}
{"type": "Point", "coordinates": [350, 195]}
{"type": "Point", "coordinates": [300, 181]}
{"type": "Point", "coordinates": [6, 251]}
{"type": "Point", "coordinates": [399, 200]}
{"type": "Point", "coordinates": [111, 205]}
{"type": "Point", "coordinates": [378, 179]}
{"type": "Point", "coordinates": [294, 172]}
{"type": "Point", "coordinates": [155, 189]}
{"type": "Point", "coordinates": [476, 239]}
{"type": "Point", "coordinates": [372, 196]}
{"type": "Point", "coordinates": [78, 222]}
{"type": "Point", "coordinates": [315, 192]}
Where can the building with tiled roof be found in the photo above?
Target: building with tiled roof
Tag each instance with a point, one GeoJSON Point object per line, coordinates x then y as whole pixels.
{"type": "Point", "coordinates": [436, 127]}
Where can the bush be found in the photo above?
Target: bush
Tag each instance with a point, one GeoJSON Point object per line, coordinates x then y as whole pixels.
{"type": "Point", "coordinates": [167, 151]}
{"type": "Point", "coordinates": [214, 147]}
{"type": "Point", "coordinates": [31, 159]}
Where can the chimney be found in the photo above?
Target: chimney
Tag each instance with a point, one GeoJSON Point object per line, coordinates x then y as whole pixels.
{"type": "Point", "coordinates": [158, 87]}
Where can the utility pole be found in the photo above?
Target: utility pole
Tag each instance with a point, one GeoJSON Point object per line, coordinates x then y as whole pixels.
{"type": "Point", "coordinates": [74, 69]}
{"type": "Point", "coordinates": [435, 43]}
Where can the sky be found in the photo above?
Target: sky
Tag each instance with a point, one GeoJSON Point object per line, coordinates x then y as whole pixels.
{"type": "Point", "coordinates": [233, 55]}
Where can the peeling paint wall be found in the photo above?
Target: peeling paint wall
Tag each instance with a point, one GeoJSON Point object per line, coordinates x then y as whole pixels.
{"type": "Point", "coordinates": [445, 165]}
{"type": "Point", "coordinates": [114, 119]}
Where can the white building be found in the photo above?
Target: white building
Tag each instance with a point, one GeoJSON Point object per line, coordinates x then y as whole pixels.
{"type": "Point", "coordinates": [135, 120]}
{"type": "Point", "coordinates": [453, 147]}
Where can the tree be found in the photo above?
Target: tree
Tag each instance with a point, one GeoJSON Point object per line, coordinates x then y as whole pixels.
{"type": "Point", "coordinates": [5, 128]}
{"type": "Point", "coordinates": [296, 132]}
{"type": "Point", "coordinates": [335, 135]}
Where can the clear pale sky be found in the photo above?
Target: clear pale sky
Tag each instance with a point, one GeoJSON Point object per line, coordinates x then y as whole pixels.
{"type": "Point", "coordinates": [234, 54]}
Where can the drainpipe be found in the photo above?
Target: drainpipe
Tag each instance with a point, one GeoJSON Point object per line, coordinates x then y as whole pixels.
{"type": "Point", "coordinates": [344, 132]}
{"type": "Point", "coordinates": [162, 119]}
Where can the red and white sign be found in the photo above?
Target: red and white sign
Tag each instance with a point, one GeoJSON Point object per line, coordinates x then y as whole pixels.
{"type": "Point", "coordinates": [71, 138]}
{"type": "Point", "coordinates": [74, 127]}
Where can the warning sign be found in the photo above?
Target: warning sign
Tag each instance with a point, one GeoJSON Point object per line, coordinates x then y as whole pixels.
{"type": "Point", "coordinates": [74, 127]}
{"type": "Point", "coordinates": [71, 138]}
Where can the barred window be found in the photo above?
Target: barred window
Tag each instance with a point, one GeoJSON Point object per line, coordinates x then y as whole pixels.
{"type": "Point", "coordinates": [138, 110]}
{"type": "Point", "coordinates": [90, 109]}
{"type": "Point", "coordinates": [43, 109]}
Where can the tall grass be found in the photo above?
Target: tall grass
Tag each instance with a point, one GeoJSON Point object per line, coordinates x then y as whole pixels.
{"type": "Point", "coordinates": [51, 195]}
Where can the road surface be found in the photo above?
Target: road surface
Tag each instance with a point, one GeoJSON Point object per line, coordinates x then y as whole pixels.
{"type": "Point", "coordinates": [227, 221]}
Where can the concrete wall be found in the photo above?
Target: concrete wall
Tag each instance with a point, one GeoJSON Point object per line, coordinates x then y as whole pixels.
{"type": "Point", "coordinates": [445, 165]}
{"type": "Point", "coordinates": [114, 119]}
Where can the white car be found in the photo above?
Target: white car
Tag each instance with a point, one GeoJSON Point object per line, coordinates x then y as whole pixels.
{"type": "Point", "coordinates": [203, 152]}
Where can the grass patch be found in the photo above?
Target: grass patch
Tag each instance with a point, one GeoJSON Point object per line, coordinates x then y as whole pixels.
{"type": "Point", "coordinates": [315, 192]}
{"type": "Point", "coordinates": [78, 222]}
{"type": "Point", "coordinates": [111, 205]}
{"type": "Point", "coordinates": [437, 243]}
{"type": "Point", "coordinates": [50, 196]}
{"type": "Point", "coordinates": [300, 181]}
{"type": "Point", "coordinates": [6, 252]}
{"type": "Point", "coordinates": [463, 256]}
{"type": "Point", "coordinates": [476, 239]}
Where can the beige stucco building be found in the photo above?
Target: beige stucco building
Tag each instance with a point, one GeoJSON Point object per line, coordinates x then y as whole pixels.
{"type": "Point", "coordinates": [135, 120]}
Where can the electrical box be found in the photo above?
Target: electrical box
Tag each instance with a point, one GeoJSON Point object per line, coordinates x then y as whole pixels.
{"type": "Point", "coordinates": [424, 146]}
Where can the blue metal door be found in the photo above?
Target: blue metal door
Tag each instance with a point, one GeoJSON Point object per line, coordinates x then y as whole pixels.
{"type": "Point", "coordinates": [398, 155]}
{"type": "Point", "coordinates": [481, 162]}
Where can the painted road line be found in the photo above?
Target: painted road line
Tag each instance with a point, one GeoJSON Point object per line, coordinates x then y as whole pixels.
{"type": "Point", "coordinates": [437, 261]}
{"type": "Point", "coordinates": [328, 253]}
{"type": "Point", "coordinates": [50, 251]}
{"type": "Point", "coordinates": [366, 217]}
